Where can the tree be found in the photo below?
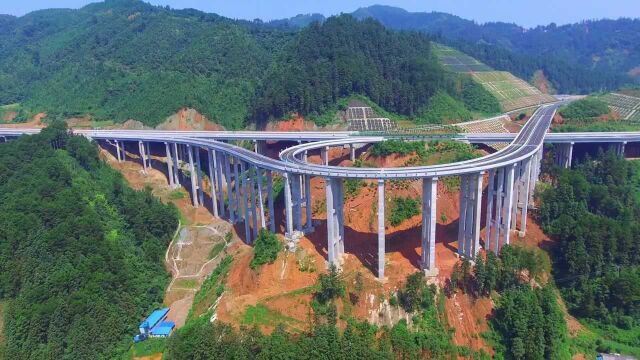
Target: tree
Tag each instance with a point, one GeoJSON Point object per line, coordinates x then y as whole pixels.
{"type": "Point", "coordinates": [265, 249]}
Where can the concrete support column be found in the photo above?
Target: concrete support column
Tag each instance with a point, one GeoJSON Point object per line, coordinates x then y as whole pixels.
{"type": "Point", "coordinates": [517, 180]}
{"type": "Point", "coordinates": [259, 146]}
{"type": "Point", "coordinates": [194, 177]}
{"type": "Point", "coordinates": [331, 226]}
{"type": "Point", "coordinates": [200, 175]}
{"type": "Point", "coordinates": [324, 155]}
{"type": "Point", "coordinates": [305, 156]}
{"type": "Point", "coordinates": [477, 204]}
{"type": "Point", "coordinates": [218, 164]}
{"type": "Point", "coordinates": [270, 201]}
{"type": "Point", "coordinates": [508, 203]}
{"type": "Point", "coordinates": [352, 152]}
{"type": "Point", "coordinates": [260, 197]}
{"type": "Point", "coordinates": [172, 183]}
{"type": "Point", "coordinates": [620, 148]}
{"type": "Point", "coordinates": [288, 206]}
{"type": "Point", "coordinates": [143, 156]}
{"type": "Point", "coordinates": [462, 219]}
{"type": "Point", "coordinates": [525, 195]}
{"type": "Point", "coordinates": [245, 201]}
{"type": "Point", "coordinates": [176, 164]}
{"type": "Point", "coordinates": [307, 197]}
{"type": "Point", "coordinates": [296, 186]}
{"type": "Point", "coordinates": [230, 196]}
{"type": "Point", "coordinates": [381, 235]}
{"type": "Point", "coordinates": [491, 192]}
{"type": "Point", "coordinates": [429, 198]}
{"type": "Point", "coordinates": [335, 220]}
{"type": "Point", "coordinates": [117, 151]}
{"type": "Point", "coordinates": [252, 200]}
{"type": "Point", "coordinates": [211, 159]}
{"type": "Point", "coordinates": [500, 198]}
{"type": "Point", "coordinates": [569, 160]}
{"type": "Point", "coordinates": [470, 210]}
{"type": "Point", "coordinates": [236, 182]}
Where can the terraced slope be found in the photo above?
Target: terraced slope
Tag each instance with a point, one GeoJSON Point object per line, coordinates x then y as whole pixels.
{"type": "Point", "coordinates": [628, 107]}
{"type": "Point", "coordinates": [456, 61]}
{"type": "Point", "coordinates": [512, 92]}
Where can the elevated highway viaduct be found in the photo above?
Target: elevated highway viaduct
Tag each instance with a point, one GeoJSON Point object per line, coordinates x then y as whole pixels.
{"type": "Point", "coordinates": [246, 179]}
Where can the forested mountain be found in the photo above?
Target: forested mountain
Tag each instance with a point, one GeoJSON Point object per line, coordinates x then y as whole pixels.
{"type": "Point", "coordinates": [123, 59]}
{"type": "Point", "coordinates": [344, 56]}
{"type": "Point", "coordinates": [585, 57]}
{"type": "Point", "coordinates": [592, 215]}
{"type": "Point", "coordinates": [81, 253]}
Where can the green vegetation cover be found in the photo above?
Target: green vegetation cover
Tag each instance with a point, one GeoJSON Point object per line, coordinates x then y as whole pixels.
{"type": "Point", "coordinates": [121, 59]}
{"type": "Point", "coordinates": [265, 248]}
{"type": "Point", "coordinates": [585, 109]}
{"type": "Point", "coordinates": [81, 253]}
{"type": "Point", "coordinates": [427, 338]}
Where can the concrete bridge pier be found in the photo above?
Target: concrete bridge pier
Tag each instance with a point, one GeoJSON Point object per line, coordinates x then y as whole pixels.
{"type": "Point", "coordinates": [270, 202]}
{"type": "Point", "coordinates": [335, 221]}
{"type": "Point", "coordinates": [230, 196]}
{"type": "Point", "coordinates": [324, 155]}
{"type": "Point", "coordinates": [259, 146]}
{"type": "Point", "coordinates": [218, 164]}
{"type": "Point", "coordinates": [499, 208]}
{"type": "Point", "coordinates": [429, 198]}
{"type": "Point", "coordinates": [245, 201]}
{"type": "Point", "coordinates": [619, 148]}
{"type": "Point", "coordinates": [381, 230]}
{"type": "Point", "coordinates": [199, 174]}
{"type": "Point", "coordinates": [296, 194]}
{"type": "Point", "coordinates": [236, 183]}
{"type": "Point", "coordinates": [118, 154]}
{"type": "Point", "coordinates": [536, 163]}
{"type": "Point", "coordinates": [521, 195]}
{"type": "Point", "coordinates": [169, 160]}
{"type": "Point", "coordinates": [563, 154]}
{"type": "Point", "coordinates": [252, 200]}
{"type": "Point", "coordinates": [260, 186]}
{"type": "Point", "coordinates": [176, 164]}
{"type": "Point", "coordinates": [307, 198]}
{"type": "Point", "coordinates": [211, 162]}
{"type": "Point", "coordinates": [194, 177]}
{"type": "Point", "coordinates": [352, 152]}
{"type": "Point", "coordinates": [469, 222]}
{"type": "Point", "coordinates": [288, 207]}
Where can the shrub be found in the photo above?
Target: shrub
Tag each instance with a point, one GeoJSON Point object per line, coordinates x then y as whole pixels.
{"type": "Point", "coordinates": [266, 249]}
{"type": "Point", "coordinates": [403, 209]}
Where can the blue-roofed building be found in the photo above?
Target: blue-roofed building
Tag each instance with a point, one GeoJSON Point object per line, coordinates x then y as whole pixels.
{"type": "Point", "coordinates": [156, 317]}
{"type": "Point", "coordinates": [163, 329]}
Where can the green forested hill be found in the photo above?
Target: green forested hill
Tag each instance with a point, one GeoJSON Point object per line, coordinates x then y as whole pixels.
{"type": "Point", "coordinates": [127, 59]}
{"type": "Point", "coordinates": [582, 57]}
{"type": "Point", "coordinates": [81, 254]}
{"type": "Point", "coordinates": [123, 59]}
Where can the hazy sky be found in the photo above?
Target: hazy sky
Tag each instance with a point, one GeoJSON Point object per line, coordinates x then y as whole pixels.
{"type": "Point", "coordinates": [524, 12]}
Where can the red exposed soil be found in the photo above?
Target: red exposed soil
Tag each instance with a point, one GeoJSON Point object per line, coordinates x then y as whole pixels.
{"type": "Point", "coordinates": [194, 259]}
{"type": "Point", "coordinates": [9, 116]}
{"type": "Point", "coordinates": [542, 83]}
{"type": "Point", "coordinates": [35, 122]}
{"type": "Point", "coordinates": [188, 119]}
{"type": "Point", "coordinates": [296, 123]}
{"type": "Point", "coordinates": [281, 286]}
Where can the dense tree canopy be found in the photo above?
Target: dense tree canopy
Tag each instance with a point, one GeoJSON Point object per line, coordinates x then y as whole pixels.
{"type": "Point", "coordinates": [581, 57]}
{"type": "Point", "coordinates": [592, 214]}
{"type": "Point", "coordinates": [585, 109]}
{"type": "Point", "coordinates": [80, 252]}
{"type": "Point", "coordinates": [121, 59]}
